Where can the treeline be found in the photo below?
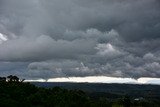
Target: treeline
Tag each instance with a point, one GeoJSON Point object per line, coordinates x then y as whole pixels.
{"type": "Point", "coordinates": [15, 93]}
{"type": "Point", "coordinates": [11, 78]}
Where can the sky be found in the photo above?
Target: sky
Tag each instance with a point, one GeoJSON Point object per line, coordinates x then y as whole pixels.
{"type": "Point", "coordinates": [44, 39]}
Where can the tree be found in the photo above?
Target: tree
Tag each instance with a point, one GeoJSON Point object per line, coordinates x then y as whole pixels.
{"type": "Point", "coordinates": [2, 79]}
{"type": "Point", "coordinates": [10, 78]}
{"type": "Point", "coordinates": [13, 78]}
{"type": "Point", "coordinates": [22, 80]}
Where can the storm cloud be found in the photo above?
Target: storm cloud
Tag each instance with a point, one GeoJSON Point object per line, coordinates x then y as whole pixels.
{"type": "Point", "coordinates": [63, 38]}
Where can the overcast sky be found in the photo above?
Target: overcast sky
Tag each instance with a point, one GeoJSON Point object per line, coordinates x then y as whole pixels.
{"type": "Point", "coordinates": [68, 38]}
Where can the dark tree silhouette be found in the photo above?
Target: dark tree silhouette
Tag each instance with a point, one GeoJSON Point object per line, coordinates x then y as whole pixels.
{"type": "Point", "coordinates": [13, 78]}
{"type": "Point", "coordinates": [2, 79]}
{"type": "Point", "coordinates": [22, 80]}
{"type": "Point", "coordinates": [10, 79]}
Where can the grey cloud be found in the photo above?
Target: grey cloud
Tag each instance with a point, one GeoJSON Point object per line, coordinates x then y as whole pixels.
{"type": "Point", "coordinates": [44, 48]}
{"type": "Point", "coordinates": [60, 68]}
{"type": "Point", "coordinates": [134, 20]}
{"type": "Point", "coordinates": [55, 38]}
{"type": "Point", "coordinates": [14, 68]}
{"type": "Point", "coordinates": [149, 57]}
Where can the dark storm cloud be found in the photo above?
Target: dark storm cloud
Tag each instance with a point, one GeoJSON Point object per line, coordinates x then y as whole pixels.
{"type": "Point", "coordinates": [81, 37]}
{"type": "Point", "coordinates": [44, 48]}
{"type": "Point", "coordinates": [134, 20]}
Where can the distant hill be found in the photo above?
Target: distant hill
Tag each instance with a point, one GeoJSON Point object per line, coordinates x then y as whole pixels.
{"type": "Point", "coordinates": [23, 94]}
{"type": "Point", "coordinates": [133, 90]}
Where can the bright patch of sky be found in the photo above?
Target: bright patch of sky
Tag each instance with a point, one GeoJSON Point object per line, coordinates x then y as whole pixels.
{"type": "Point", "coordinates": [101, 79]}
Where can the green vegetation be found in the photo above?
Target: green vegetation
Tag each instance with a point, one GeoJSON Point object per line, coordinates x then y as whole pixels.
{"type": "Point", "coordinates": [16, 93]}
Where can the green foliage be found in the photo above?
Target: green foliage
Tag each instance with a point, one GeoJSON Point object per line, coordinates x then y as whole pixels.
{"type": "Point", "coordinates": [19, 94]}
{"type": "Point", "coordinates": [16, 94]}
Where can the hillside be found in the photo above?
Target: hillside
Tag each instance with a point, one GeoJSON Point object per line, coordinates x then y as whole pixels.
{"type": "Point", "coordinates": [18, 94]}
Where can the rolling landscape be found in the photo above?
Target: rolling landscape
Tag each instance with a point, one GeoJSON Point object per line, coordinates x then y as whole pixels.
{"type": "Point", "coordinates": [16, 93]}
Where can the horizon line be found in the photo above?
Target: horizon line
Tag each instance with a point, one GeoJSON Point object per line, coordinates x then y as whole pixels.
{"type": "Point", "coordinates": [100, 79]}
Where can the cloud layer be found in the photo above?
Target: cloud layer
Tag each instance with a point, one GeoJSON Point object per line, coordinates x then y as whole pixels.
{"type": "Point", "coordinates": [59, 38]}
